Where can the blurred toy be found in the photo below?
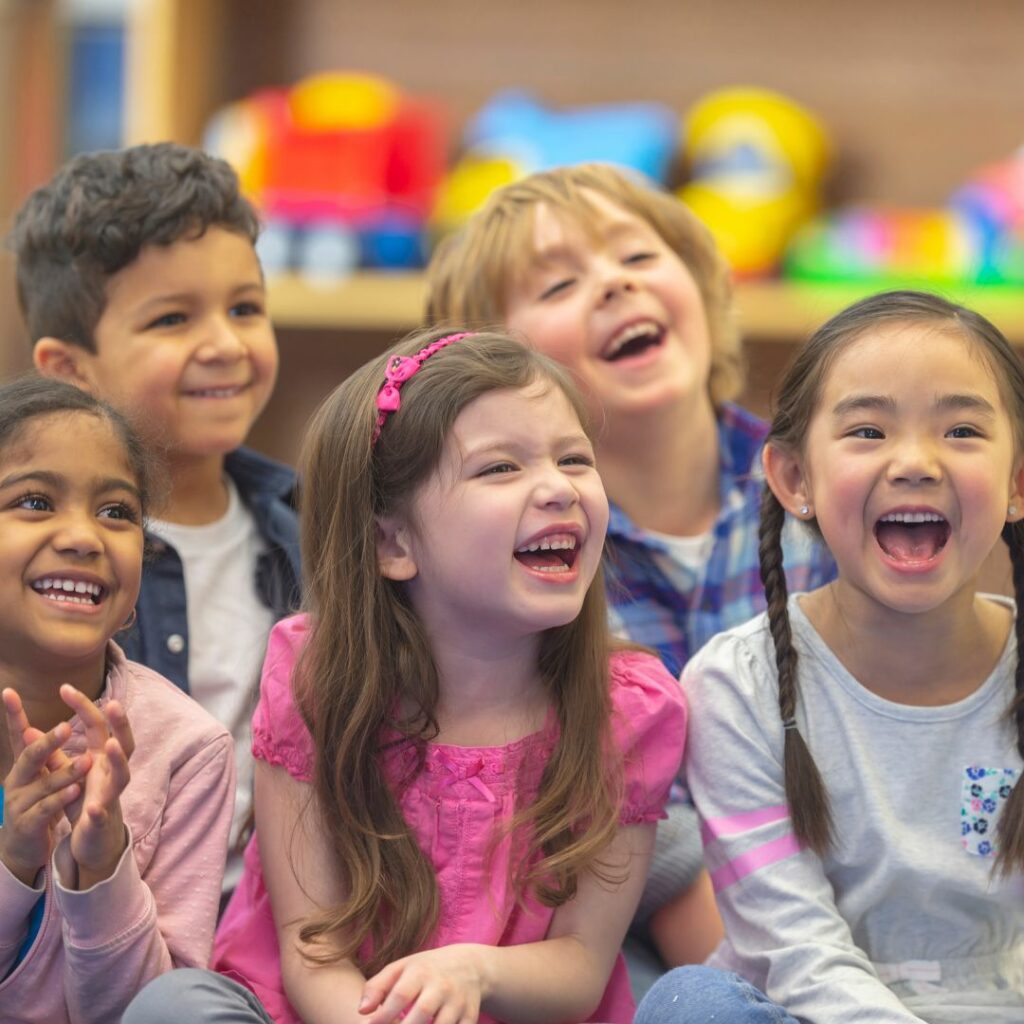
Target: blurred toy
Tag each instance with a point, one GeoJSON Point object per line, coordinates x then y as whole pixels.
{"type": "Point", "coordinates": [515, 135]}
{"type": "Point", "coordinates": [755, 162]}
{"type": "Point", "coordinates": [977, 238]}
{"type": "Point", "coordinates": [343, 167]}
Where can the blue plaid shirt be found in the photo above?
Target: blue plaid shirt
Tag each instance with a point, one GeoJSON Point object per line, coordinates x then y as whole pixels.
{"type": "Point", "coordinates": [656, 601]}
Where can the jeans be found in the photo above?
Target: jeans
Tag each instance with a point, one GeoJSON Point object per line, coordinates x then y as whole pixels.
{"type": "Point", "coordinates": [702, 995]}
{"type": "Point", "coordinates": [197, 996]}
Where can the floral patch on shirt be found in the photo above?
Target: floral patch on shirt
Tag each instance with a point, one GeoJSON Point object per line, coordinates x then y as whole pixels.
{"type": "Point", "coordinates": [984, 792]}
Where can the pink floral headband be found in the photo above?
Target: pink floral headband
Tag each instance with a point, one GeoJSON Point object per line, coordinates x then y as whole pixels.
{"type": "Point", "coordinates": [399, 370]}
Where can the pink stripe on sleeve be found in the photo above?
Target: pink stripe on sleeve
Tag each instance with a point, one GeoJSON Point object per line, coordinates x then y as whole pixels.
{"type": "Point", "coordinates": [732, 824]}
{"type": "Point", "coordinates": [749, 862]}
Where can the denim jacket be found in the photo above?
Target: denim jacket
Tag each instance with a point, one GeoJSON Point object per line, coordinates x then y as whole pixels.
{"type": "Point", "coordinates": [159, 637]}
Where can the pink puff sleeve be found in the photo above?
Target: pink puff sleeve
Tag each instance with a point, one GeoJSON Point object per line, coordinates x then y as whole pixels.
{"type": "Point", "coordinates": [649, 729]}
{"type": "Point", "coordinates": [279, 735]}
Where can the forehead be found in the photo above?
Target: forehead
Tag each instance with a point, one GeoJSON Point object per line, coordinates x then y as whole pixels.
{"type": "Point", "coordinates": [913, 359]}
{"type": "Point", "coordinates": [535, 413]}
{"type": "Point", "coordinates": [218, 256]}
{"type": "Point", "coordinates": [78, 444]}
{"type": "Point", "coordinates": [592, 218]}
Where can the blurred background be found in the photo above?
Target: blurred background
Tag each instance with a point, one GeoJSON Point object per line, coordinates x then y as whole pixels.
{"type": "Point", "coordinates": [833, 148]}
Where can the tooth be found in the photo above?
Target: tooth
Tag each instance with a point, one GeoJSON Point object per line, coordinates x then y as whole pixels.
{"type": "Point", "coordinates": [68, 585]}
{"type": "Point", "coordinates": [80, 587]}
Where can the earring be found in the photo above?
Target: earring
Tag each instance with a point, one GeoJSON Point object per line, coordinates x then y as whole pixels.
{"type": "Point", "coordinates": [1012, 510]}
{"type": "Point", "coordinates": [804, 510]}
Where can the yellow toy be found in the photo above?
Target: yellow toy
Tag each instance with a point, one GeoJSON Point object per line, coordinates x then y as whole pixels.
{"type": "Point", "coordinates": [755, 163]}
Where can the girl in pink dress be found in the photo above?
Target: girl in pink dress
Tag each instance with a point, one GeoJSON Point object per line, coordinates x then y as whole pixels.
{"type": "Point", "coordinates": [458, 777]}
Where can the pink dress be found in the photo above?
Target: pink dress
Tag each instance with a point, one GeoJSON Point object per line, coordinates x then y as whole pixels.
{"type": "Point", "coordinates": [453, 808]}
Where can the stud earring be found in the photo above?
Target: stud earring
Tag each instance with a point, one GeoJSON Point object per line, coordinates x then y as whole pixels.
{"type": "Point", "coordinates": [804, 510]}
{"type": "Point", "coordinates": [1012, 510]}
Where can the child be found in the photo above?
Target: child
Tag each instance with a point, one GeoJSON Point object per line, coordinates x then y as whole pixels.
{"type": "Point", "coordinates": [104, 882]}
{"type": "Point", "coordinates": [853, 753]}
{"type": "Point", "coordinates": [139, 282]}
{"type": "Point", "coordinates": [456, 781]}
{"type": "Point", "coordinates": [624, 286]}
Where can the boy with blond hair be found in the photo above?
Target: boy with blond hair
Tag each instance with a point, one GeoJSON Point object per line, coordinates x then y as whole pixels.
{"type": "Point", "coordinates": [139, 282]}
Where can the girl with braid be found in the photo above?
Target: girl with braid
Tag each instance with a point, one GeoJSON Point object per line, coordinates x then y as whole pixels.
{"type": "Point", "coordinates": [853, 752]}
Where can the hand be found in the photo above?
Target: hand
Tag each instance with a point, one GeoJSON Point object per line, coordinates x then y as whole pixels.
{"type": "Point", "coordinates": [443, 985]}
{"type": "Point", "coordinates": [98, 836]}
{"type": "Point", "coordinates": [41, 784]}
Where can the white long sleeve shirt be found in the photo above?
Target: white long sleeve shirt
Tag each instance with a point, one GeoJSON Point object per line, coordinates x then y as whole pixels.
{"type": "Point", "coordinates": [903, 921]}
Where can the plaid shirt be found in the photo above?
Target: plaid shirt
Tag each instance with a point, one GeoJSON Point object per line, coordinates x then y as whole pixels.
{"type": "Point", "coordinates": [656, 601]}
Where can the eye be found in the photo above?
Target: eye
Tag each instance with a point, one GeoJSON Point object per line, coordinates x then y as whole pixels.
{"type": "Point", "coordinates": [119, 510]}
{"type": "Point", "coordinates": [166, 320]}
{"type": "Point", "coordinates": [497, 469]}
{"type": "Point", "coordinates": [33, 502]}
{"type": "Point", "coordinates": [577, 459]}
{"type": "Point", "coordinates": [248, 308]}
{"type": "Point", "coordinates": [867, 433]}
{"type": "Point", "coordinates": [962, 430]}
{"type": "Point", "coordinates": [559, 286]}
{"type": "Point", "coordinates": [639, 257]}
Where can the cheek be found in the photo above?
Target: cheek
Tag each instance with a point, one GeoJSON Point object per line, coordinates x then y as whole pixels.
{"type": "Point", "coordinates": [553, 331]}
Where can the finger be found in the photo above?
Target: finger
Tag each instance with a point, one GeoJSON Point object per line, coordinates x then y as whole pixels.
{"type": "Point", "coordinates": [31, 762]}
{"type": "Point", "coordinates": [429, 1004]}
{"type": "Point", "coordinates": [94, 721]}
{"type": "Point", "coordinates": [120, 729]}
{"type": "Point", "coordinates": [395, 1004]}
{"type": "Point", "coordinates": [119, 772]}
{"type": "Point", "coordinates": [15, 720]}
{"type": "Point", "coordinates": [376, 988]}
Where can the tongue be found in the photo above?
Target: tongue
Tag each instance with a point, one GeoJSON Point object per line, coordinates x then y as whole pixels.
{"type": "Point", "coordinates": [540, 559]}
{"type": "Point", "coordinates": [915, 543]}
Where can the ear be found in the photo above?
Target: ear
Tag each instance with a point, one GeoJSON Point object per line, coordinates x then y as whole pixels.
{"type": "Point", "coordinates": [64, 361]}
{"type": "Point", "coordinates": [394, 552]}
{"type": "Point", "coordinates": [784, 473]}
{"type": "Point", "coordinates": [1016, 499]}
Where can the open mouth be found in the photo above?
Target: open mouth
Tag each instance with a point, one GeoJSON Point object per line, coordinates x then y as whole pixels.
{"type": "Point", "coordinates": [634, 340]}
{"type": "Point", "coordinates": [556, 553]}
{"type": "Point", "coordinates": [912, 537]}
{"type": "Point", "coordinates": [216, 392]}
{"type": "Point", "coordinates": [65, 591]}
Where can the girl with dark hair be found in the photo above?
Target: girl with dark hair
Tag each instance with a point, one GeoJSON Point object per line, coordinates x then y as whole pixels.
{"type": "Point", "coordinates": [854, 752]}
{"type": "Point", "coordinates": [457, 776]}
{"type": "Point", "coordinates": [109, 875]}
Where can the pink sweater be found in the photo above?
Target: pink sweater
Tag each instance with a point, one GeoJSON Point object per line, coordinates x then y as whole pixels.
{"type": "Point", "coordinates": [455, 807]}
{"type": "Point", "coordinates": [96, 949]}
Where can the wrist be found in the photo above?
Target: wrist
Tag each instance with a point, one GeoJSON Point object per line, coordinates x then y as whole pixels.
{"type": "Point", "coordinates": [24, 871]}
{"type": "Point", "coordinates": [93, 870]}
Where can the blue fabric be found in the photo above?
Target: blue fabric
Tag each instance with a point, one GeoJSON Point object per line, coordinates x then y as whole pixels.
{"type": "Point", "coordinates": [35, 922]}
{"type": "Point", "coordinates": [696, 995]}
{"type": "Point", "coordinates": [656, 601]}
{"type": "Point", "coordinates": [267, 489]}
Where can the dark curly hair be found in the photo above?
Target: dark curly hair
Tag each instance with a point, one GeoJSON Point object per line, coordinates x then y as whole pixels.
{"type": "Point", "coordinates": [96, 215]}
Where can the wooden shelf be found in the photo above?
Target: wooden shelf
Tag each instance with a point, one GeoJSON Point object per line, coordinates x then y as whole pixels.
{"type": "Point", "coordinates": [769, 311]}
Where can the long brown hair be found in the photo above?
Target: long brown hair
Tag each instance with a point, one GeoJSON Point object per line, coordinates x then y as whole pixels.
{"type": "Point", "coordinates": [796, 404]}
{"type": "Point", "coordinates": [367, 652]}
{"type": "Point", "coordinates": [473, 269]}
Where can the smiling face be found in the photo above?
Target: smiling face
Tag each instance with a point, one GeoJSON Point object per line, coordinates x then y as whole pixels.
{"type": "Point", "coordinates": [616, 306]}
{"type": "Point", "coordinates": [70, 546]}
{"type": "Point", "coordinates": [184, 345]}
{"type": "Point", "coordinates": [504, 540]}
{"type": "Point", "coordinates": [909, 466]}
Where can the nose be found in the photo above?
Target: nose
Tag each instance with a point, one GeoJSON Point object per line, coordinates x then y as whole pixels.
{"type": "Point", "coordinates": [221, 341]}
{"type": "Point", "coordinates": [915, 461]}
{"type": "Point", "coordinates": [78, 533]}
{"type": "Point", "coordinates": [615, 279]}
{"type": "Point", "coordinates": [555, 490]}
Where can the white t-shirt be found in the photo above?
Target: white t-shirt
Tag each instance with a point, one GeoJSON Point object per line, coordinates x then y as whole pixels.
{"type": "Point", "coordinates": [228, 626]}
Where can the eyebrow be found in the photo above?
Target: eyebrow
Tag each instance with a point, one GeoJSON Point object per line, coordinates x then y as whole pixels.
{"type": "Point", "coordinates": [101, 486]}
{"type": "Point", "coordinates": [178, 298]}
{"type": "Point", "coordinates": [886, 403]}
{"type": "Point", "coordinates": [566, 441]}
